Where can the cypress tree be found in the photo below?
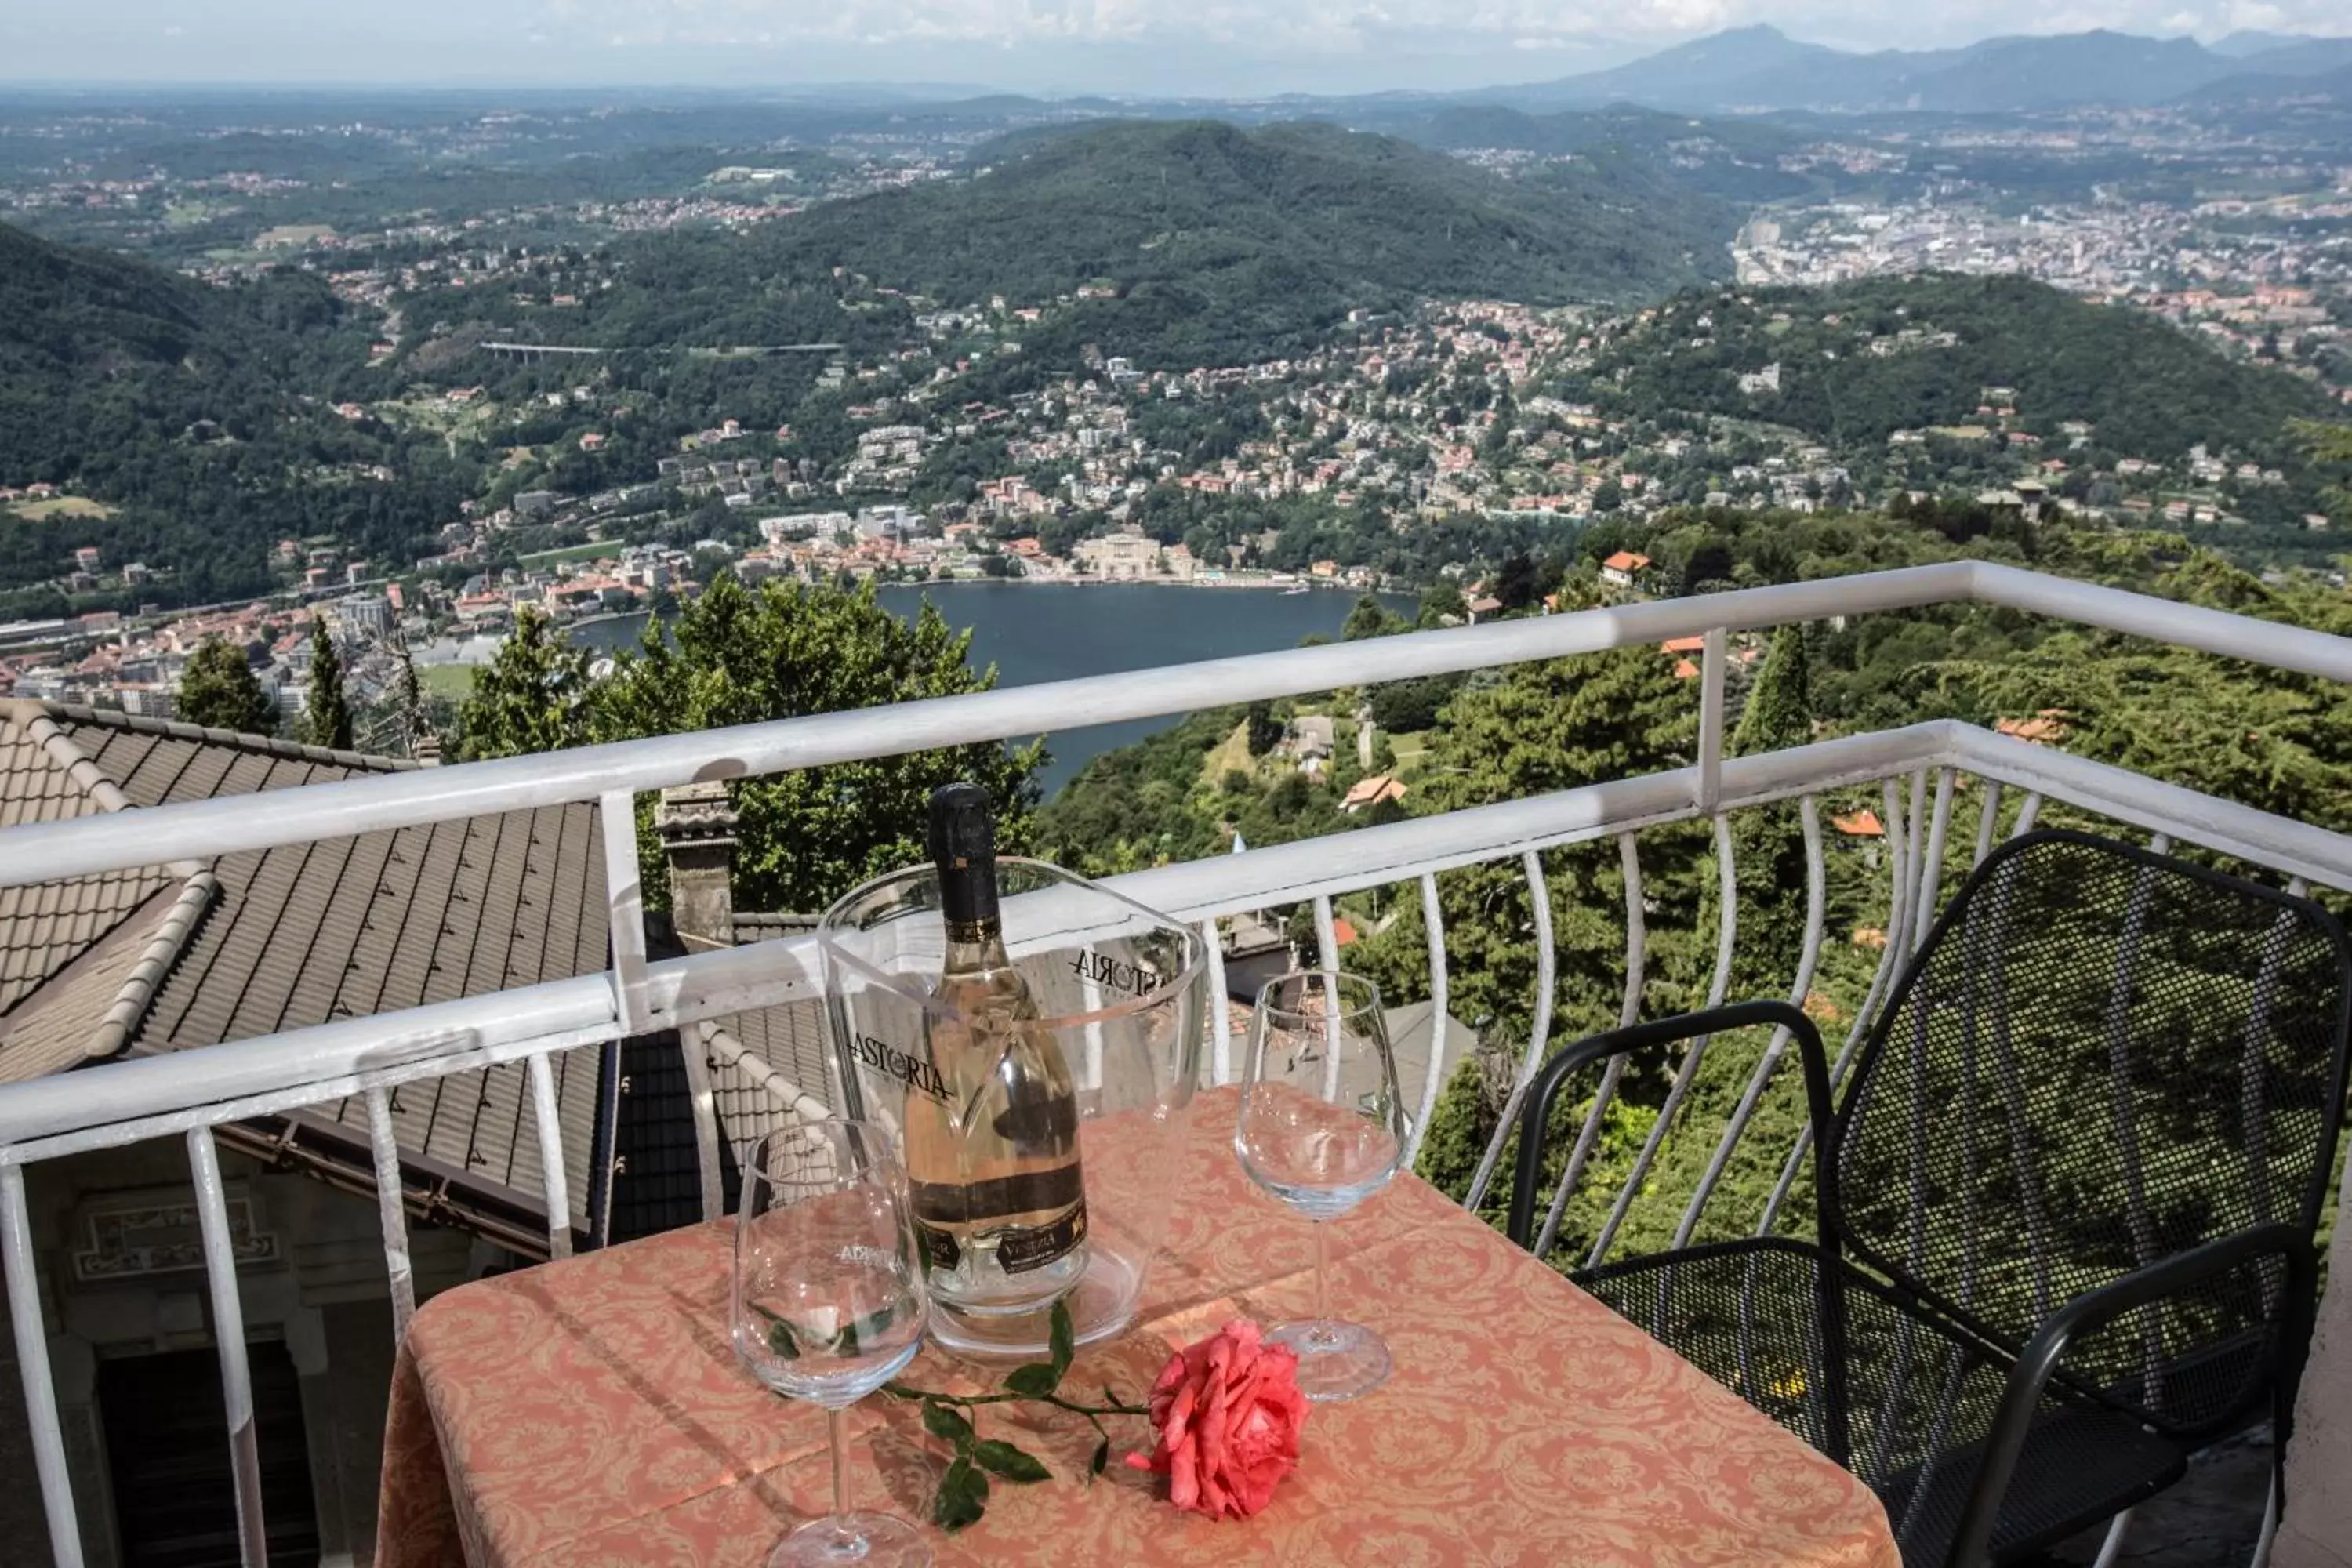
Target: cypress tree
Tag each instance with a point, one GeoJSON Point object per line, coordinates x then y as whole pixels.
{"type": "Point", "coordinates": [328, 720]}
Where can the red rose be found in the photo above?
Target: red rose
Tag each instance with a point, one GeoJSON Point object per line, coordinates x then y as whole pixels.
{"type": "Point", "coordinates": [1228, 1410]}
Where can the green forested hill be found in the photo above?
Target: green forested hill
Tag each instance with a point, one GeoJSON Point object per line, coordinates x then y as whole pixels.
{"type": "Point", "coordinates": [1738, 160]}
{"type": "Point", "coordinates": [1223, 243]}
{"type": "Point", "coordinates": [1860, 361]}
{"type": "Point", "coordinates": [110, 368]}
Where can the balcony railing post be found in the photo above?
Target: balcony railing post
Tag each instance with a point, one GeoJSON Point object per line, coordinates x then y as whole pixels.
{"type": "Point", "coordinates": [1221, 1018]}
{"type": "Point", "coordinates": [1915, 850]}
{"type": "Point", "coordinates": [228, 1339]}
{"type": "Point", "coordinates": [1629, 860]}
{"type": "Point", "coordinates": [1713, 667]}
{"type": "Point", "coordinates": [702, 1109]}
{"type": "Point", "coordinates": [1433, 920]}
{"type": "Point", "coordinates": [1891, 949]}
{"type": "Point", "coordinates": [1727, 932]}
{"type": "Point", "coordinates": [1988, 818]}
{"type": "Point", "coordinates": [1816, 899]}
{"type": "Point", "coordinates": [554, 1181]}
{"type": "Point", "coordinates": [33, 1368]}
{"type": "Point", "coordinates": [2027, 815]}
{"type": "Point", "coordinates": [625, 901]}
{"type": "Point", "coordinates": [1931, 870]}
{"type": "Point", "coordinates": [391, 1212]}
{"type": "Point", "coordinates": [1538, 1032]}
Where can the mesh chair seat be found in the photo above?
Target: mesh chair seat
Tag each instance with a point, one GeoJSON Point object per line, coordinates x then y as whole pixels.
{"type": "Point", "coordinates": [1921, 1395]}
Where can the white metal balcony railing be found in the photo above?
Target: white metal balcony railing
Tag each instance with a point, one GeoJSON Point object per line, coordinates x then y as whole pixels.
{"type": "Point", "coordinates": [192, 1092]}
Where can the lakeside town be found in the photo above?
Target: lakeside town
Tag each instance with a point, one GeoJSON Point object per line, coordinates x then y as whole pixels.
{"type": "Point", "coordinates": [1118, 475]}
{"type": "Point", "coordinates": [1404, 449]}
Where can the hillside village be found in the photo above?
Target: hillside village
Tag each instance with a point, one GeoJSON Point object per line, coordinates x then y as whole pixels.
{"type": "Point", "coordinates": [1340, 468]}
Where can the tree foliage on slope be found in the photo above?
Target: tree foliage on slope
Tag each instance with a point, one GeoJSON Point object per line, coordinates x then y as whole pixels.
{"type": "Point", "coordinates": [2149, 389]}
{"type": "Point", "coordinates": [1221, 244]}
{"type": "Point", "coordinates": [218, 692]}
{"type": "Point", "coordinates": [109, 370]}
{"type": "Point", "coordinates": [746, 655]}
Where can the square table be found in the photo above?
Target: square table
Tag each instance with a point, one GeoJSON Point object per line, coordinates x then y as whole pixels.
{"type": "Point", "coordinates": [591, 1412]}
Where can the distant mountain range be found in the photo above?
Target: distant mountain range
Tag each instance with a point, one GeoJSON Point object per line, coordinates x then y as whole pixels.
{"type": "Point", "coordinates": [1761, 68]}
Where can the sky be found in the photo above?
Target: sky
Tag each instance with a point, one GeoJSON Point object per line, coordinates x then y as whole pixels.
{"type": "Point", "coordinates": [1179, 47]}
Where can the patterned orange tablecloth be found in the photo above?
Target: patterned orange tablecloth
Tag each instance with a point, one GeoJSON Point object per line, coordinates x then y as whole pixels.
{"type": "Point", "coordinates": [591, 1413]}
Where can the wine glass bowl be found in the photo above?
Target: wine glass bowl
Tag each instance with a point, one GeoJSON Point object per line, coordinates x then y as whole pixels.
{"type": "Point", "coordinates": [1319, 1158]}
{"type": "Point", "coordinates": [828, 1304]}
{"type": "Point", "coordinates": [1321, 1129]}
{"type": "Point", "coordinates": [827, 1316]}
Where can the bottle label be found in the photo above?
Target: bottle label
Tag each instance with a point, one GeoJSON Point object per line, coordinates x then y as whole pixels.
{"type": "Point", "coordinates": [1024, 1250]}
{"type": "Point", "coordinates": [937, 1245]}
{"type": "Point", "coordinates": [1019, 1248]}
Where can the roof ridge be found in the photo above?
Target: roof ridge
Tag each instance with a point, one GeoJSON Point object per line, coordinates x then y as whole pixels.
{"type": "Point", "coordinates": [85, 713]}
{"type": "Point", "coordinates": [38, 723]}
{"type": "Point", "coordinates": [166, 946]}
{"type": "Point", "coordinates": [198, 887]}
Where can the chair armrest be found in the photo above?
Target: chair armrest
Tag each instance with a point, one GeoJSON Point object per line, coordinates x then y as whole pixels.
{"type": "Point", "coordinates": [1535, 1110]}
{"type": "Point", "coordinates": [2028, 1378]}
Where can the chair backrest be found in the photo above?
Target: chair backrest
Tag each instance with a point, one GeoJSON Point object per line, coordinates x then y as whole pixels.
{"type": "Point", "coordinates": [2101, 1058]}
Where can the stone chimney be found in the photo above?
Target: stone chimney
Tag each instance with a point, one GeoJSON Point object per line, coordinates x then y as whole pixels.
{"type": "Point", "coordinates": [697, 824]}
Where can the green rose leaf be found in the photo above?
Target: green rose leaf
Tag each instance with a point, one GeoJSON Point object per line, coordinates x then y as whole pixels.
{"type": "Point", "coordinates": [1035, 1380]}
{"type": "Point", "coordinates": [780, 1337]}
{"type": "Point", "coordinates": [1102, 1457]}
{"type": "Point", "coordinates": [864, 1331]}
{"type": "Point", "coordinates": [947, 1423]}
{"type": "Point", "coordinates": [1004, 1460]}
{"type": "Point", "coordinates": [1063, 1343]}
{"type": "Point", "coordinates": [963, 1497]}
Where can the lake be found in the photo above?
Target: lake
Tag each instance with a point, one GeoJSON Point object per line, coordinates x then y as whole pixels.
{"type": "Point", "coordinates": [1058, 631]}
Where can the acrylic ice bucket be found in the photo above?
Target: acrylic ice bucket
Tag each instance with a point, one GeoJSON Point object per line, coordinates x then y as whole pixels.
{"type": "Point", "coordinates": [1119, 989]}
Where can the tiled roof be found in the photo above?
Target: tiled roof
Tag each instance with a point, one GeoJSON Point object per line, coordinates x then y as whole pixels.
{"type": "Point", "coordinates": [299, 935]}
{"type": "Point", "coordinates": [44, 929]}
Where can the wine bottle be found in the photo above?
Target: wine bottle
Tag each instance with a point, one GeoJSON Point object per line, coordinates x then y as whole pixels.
{"type": "Point", "coordinates": [992, 1131]}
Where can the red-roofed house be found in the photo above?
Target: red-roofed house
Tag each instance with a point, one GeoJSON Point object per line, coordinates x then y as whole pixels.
{"type": "Point", "coordinates": [2045, 727]}
{"type": "Point", "coordinates": [1624, 567]}
{"type": "Point", "coordinates": [1368, 792]}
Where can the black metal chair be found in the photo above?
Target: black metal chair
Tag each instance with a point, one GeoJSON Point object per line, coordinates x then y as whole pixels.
{"type": "Point", "coordinates": [2064, 1211]}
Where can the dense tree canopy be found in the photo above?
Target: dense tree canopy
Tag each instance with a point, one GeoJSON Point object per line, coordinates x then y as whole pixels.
{"type": "Point", "coordinates": [533, 697]}
{"type": "Point", "coordinates": [746, 655]}
{"type": "Point", "coordinates": [218, 692]}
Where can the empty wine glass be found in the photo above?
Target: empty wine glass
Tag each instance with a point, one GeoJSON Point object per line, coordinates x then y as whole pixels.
{"type": "Point", "coordinates": [1322, 1128]}
{"type": "Point", "coordinates": [829, 1305]}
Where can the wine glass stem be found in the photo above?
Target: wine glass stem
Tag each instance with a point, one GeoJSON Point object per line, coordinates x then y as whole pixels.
{"type": "Point", "coordinates": [843, 1535]}
{"type": "Point", "coordinates": [1322, 1311]}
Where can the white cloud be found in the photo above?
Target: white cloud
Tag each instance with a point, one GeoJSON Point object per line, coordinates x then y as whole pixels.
{"type": "Point", "coordinates": [1340, 26]}
{"type": "Point", "coordinates": [1212, 47]}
